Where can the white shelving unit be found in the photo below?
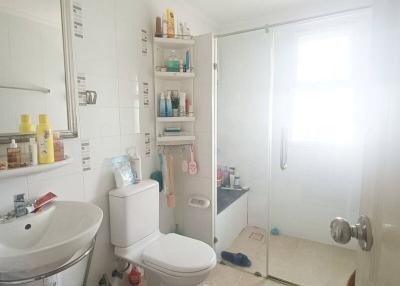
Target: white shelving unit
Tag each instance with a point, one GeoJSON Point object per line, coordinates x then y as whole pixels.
{"type": "Point", "coordinates": [175, 81]}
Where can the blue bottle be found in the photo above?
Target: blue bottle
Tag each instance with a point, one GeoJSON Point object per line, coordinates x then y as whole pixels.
{"type": "Point", "coordinates": [169, 105]}
{"type": "Point", "coordinates": [162, 105]}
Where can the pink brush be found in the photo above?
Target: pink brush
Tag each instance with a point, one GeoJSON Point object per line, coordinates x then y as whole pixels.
{"type": "Point", "coordinates": [192, 163]}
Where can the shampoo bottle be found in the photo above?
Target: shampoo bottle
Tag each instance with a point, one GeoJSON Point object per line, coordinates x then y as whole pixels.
{"type": "Point", "coordinates": [44, 137]}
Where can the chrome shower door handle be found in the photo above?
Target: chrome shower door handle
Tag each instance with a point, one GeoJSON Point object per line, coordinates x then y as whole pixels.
{"type": "Point", "coordinates": [342, 232]}
{"type": "Point", "coordinates": [284, 148]}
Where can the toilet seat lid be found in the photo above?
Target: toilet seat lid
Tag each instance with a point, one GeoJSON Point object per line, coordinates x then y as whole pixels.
{"type": "Point", "coordinates": [178, 253]}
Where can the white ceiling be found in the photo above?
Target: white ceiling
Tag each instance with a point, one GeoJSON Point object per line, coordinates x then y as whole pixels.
{"type": "Point", "coordinates": [228, 12]}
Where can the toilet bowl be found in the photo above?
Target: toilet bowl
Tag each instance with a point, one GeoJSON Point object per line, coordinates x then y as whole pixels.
{"type": "Point", "coordinates": [171, 259]}
{"type": "Point", "coordinates": [168, 259]}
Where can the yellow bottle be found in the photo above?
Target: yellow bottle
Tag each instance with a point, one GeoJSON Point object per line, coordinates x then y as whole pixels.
{"type": "Point", "coordinates": [26, 126]}
{"type": "Point", "coordinates": [170, 24]}
{"type": "Point", "coordinates": [44, 136]}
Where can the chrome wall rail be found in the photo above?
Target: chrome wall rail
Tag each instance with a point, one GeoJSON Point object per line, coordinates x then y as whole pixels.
{"type": "Point", "coordinates": [86, 254]}
{"type": "Point", "coordinates": [26, 88]}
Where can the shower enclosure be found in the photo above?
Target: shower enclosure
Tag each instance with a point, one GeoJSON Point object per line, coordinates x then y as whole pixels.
{"type": "Point", "coordinates": [291, 124]}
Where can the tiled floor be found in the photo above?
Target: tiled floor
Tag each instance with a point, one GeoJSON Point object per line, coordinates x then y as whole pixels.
{"type": "Point", "coordinates": [227, 276]}
{"type": "Point", "coordinates": [300, 261]}
{"type": "Point", "coordinates": [251, 242]}
{"type": "Point", "coordinates": [310, 263]}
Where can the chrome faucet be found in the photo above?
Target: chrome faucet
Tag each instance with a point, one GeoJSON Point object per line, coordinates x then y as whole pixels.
{"type": "Point", "coordinates": [20, 209]}
{"type": "Point", "coordinates": [20, 205]}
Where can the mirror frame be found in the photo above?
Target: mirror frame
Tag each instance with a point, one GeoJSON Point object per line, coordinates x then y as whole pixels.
{"type": "Point", "coordinates": [67, 35]}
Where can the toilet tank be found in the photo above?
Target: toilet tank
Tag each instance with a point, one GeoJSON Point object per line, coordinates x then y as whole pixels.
{"type": "Point", "coordinates": [134, 212]}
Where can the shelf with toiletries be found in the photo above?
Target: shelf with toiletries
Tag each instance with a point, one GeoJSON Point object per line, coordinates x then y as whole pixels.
{"type": "Point", "coordinates": [174, 78]}
{"type": "Point", "coordinates": [173, 43]}
{"type": "Point", "coordinates": [176, 119]}
{"type": "Point", "coordinates": [176, 140]}
{"type": "Point", "coordinates": [44, 150]}
{"type": "Point", "coordinates": [174, 75]}
{"type": "Point", "coordinates": [30, 170]}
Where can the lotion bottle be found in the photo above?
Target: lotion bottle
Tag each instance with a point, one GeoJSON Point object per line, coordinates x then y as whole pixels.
{"type": "Point", "coordinates": [44, 137]}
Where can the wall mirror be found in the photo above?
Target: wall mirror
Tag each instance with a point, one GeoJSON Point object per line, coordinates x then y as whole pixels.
{"type": "Point", "coordinates": [36, 65]}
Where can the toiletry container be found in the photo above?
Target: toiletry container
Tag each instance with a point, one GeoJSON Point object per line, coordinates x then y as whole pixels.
{"type": "Point", "coordinates": [58, 147]}
{"type": "Point", "coordinates": [182, 104]}
{"type": "Point", "coordinates": [44, 136]}
{"type": "Point", "coordinates": [188, 65]}
{"type": "Point", "coordinates": [26, 126]}
{"type": "Point", "coordinates": [13, 155]}
{"type": "Point", "coordinates": [170, 23]}
{"type": "Point", "coordinates": [33, 151]}
{"type": "Point", "coordinates": [158, 27]}
{"type": "Point", "coordinates": [164, 25]}
{"type": "Point", "coordinates": [136, 163]}
{"type": "Point", "coordinates": [173, 62]}
{"type": "Point", "coordinates": [162, 105]}
{"type": "Point", "coordinates": [168, 103]}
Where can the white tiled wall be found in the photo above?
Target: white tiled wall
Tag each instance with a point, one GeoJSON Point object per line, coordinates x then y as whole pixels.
{"type": "Point", "coordinates": [110, 57]}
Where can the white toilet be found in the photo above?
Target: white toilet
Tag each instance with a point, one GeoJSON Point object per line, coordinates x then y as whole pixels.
{"type": "Point", "coordinates": [168, 259]}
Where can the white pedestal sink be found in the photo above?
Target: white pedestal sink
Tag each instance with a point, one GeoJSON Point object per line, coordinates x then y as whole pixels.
{"type": "Point", "coordinates": [47, 239]}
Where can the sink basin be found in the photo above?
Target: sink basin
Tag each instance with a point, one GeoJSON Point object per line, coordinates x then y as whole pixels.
{"type": "Point", "coordinates": [47, 239]}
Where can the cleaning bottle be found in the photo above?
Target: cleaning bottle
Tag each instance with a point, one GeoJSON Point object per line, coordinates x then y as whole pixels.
{"type": "Point", "coordinates": [44, 137]}
{"type": "Point", "coordinates": [169, 105]}
{"type": "Point", "coordinates": [162, 105]}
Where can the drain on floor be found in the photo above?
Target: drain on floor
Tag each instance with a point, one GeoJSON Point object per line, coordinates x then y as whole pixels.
{"type": "Point", "coordinates": [256, 236]}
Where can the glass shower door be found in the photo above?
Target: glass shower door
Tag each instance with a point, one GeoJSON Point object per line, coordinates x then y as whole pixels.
{"type": "Point", "coordinates": [317, 147]}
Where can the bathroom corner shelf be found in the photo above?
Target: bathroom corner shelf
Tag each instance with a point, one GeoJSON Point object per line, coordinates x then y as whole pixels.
{"type": "Point", "coordinates": [174, 75]}
{"type": "Point", "coordinates": [25, 171]}
{"type": "Point", "coordinates": [175, 140]}
{"type": "Point", "coordinates": [175, 82]}
{"type": "Point", "coordinates": [173, 43]}
{"type": "Point", "coordinates": [176, 119]}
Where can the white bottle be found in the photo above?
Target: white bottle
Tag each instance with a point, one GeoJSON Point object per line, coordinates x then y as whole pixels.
{"type": "Point", "coordinates": [182, 104]}
{"type": "Point", "coordinates": [33, 150]}
{"type": "Point", "coordinates": [136, 162]}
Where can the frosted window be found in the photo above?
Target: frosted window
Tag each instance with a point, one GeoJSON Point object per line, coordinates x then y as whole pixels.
{"type": "Point", "coordinates": [323, 93]}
